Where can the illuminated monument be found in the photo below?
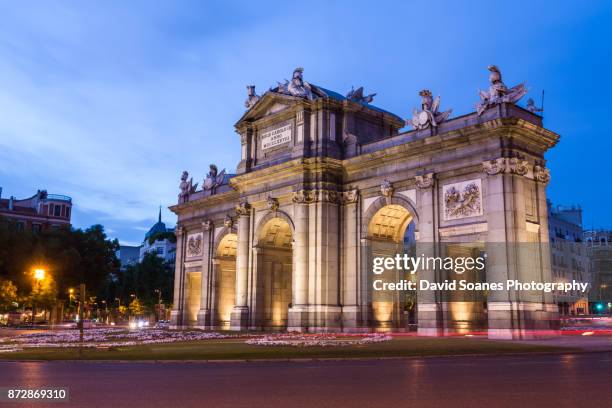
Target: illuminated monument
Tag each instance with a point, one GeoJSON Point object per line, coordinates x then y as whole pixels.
{"type": "Point", "coordinates": [326, 182]}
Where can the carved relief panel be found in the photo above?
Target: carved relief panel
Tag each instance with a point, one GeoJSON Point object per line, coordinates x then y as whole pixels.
{"type": "Point", "coordinates": [462, 200]}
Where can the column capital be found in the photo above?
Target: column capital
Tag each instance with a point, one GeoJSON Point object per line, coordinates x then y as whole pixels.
{"type": "Point", "coordinates": [207, 225]}
{"type": "Point", "coordinates": [494, 166]}
{"type": "Point", "coordinates": [424, 181]}
{"type": "Point", "coordinates": [541, 174]}
{"type": "Point", "coordinates": [243, 208]}
{"type": "Point", "coordinates": [303, 196]}
{"type": "Point", "coordinates": [228, 221]}
{"type": "Point", "coordinates": [350, 196]}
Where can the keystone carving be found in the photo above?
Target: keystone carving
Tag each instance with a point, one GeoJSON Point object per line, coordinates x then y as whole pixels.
{"type": "Point", "coordinates": [272, 203]}
{"type": "Point", "coordinates": [386, 189]}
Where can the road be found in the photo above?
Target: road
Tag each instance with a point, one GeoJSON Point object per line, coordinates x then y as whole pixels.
{"type": "Point", "coordinates": [511, 381]}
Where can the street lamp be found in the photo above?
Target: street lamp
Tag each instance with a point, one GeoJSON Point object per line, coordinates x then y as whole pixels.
{"type": "Point", "coordinates": [39, 275]}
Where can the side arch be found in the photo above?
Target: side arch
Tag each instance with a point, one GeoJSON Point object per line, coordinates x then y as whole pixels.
{"type": "Point", "coordinates": [382, 202]}
{"type": "Point", "coordinates": [270, 216]}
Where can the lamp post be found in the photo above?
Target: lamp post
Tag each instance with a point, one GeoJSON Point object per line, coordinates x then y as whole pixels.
{"type": "Point", "coordinates": [39, 275]}
{"type": "Point", "coordinates": [158, 291]}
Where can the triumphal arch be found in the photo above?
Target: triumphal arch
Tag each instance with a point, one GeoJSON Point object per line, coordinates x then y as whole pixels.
{"type": "Point", "coordinates": [327, 182]}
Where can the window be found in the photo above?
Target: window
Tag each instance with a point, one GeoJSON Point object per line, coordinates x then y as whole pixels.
{"type": "Point", "coordinates": [20, 226]}
{"type": "Point", "coordinates": [159, 251]}
{"type": "Point", "coordinates": [57, 211]}
{"type": "Point", "coordinates": [67, 212]}
{"type": "Point", "coordinates": [36, 227]}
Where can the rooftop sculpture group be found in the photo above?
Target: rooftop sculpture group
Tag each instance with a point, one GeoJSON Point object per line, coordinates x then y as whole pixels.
{"type": "Point", "coordinates": [186, 187]}
{"type": "Point", "coordinates": [429, 115]}
{"type": "Point", "coordinates": [356, 95]}
{"type": "Point", "coordinates": [213, 180]}
{"type": "Point", "coordinates": [498, 92]}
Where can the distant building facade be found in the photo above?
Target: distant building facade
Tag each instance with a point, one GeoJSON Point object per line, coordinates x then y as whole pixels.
{"type": "Point", "coordinates": [569, 257]}
{"type": "Point", "coordinates": [599, 244]}
{"type": "Point", "coordinates": [39, 212]}
{"type": "Point", "coordinates": [156, 241]}
{"type": "Point", "coordinates": [128, 255]}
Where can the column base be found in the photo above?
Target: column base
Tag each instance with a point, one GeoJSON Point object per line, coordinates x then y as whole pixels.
{"type": "Point", "coordinates": [204, 321]}
{"type": "Point", "coordinates": [429, 319]}
{"type": "Point", "coordinates": [297, 319]}
{"type": "Point", "coordinates": [239, 319]}
{"type": "Point", "coordinates": [175, 319]}
{"type": "Point", "coordinates": [352, 320]}
{"type": "Point", "coordinates": [522, 320]}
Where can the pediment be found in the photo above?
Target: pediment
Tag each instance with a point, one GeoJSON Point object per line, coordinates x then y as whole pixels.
{"type": "Point", "coordinates": [270, 103]}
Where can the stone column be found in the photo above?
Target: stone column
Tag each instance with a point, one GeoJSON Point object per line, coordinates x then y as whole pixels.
{"type": "Point", "coordinates": [324, 291]}
{"type": "Point", "coordinates": [428, 305]}
{"type": "Point", "coordinates": [510, 254]}
{"type": "Point", "coordinates": [541, 176]}
{"type": "Point", "coordinates": [365, 282]}
{"type": "Point", "coordinates": [298, 313]}
{"type": "Point", "coordinates": [240, 313]}
{"type": "Point", "coordinates": [204, 315]}
{"type": "Point", "coordinates": [351, 313]}
{"type": "Point", "coordinates": [497, 206]}
{"type": "Point", "coordinates": [214, 313]}
{"type": "Point", "coordinates": [176, 314]}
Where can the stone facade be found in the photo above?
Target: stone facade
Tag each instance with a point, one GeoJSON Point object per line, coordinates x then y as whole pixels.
{"type": "Point", "coordinates": [326, 182]}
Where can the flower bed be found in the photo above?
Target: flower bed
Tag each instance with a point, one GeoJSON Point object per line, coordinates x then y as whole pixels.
{"type": "Point", "coordinates": [108, 337]}
{"type": "Point", "coordinates": [317, 340]}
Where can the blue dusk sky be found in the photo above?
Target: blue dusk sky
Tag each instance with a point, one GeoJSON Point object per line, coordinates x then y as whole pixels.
{"type": "Point", "coordinates": [109, 101]}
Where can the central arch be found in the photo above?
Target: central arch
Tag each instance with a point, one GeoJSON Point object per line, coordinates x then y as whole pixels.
{"type": "Point", "coordinates": [390, 231]}
{"type": "Point", "coordinates": [274, 263]}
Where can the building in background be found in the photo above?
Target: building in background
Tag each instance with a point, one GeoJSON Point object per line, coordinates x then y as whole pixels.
{"type": "Point", "coordinates": [39, 212]}
{"type": "Point", "coordinates": [160, 241]}
{"type": "Point", "coordinates": [569, 257]}
{"type": "Point", "coordinates": [128, 255]}
{"type": "Point", "coordinates": [599, 245]}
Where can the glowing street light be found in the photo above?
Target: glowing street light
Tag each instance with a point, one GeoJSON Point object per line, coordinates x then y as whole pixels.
{"type": "Point", "coordinates": [39, 274]}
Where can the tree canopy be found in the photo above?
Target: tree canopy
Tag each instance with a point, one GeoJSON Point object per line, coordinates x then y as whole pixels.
{"type": "Point", "coordinates": [69, 256]}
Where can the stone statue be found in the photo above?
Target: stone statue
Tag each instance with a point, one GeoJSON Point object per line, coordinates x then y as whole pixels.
{"type": "Point", "coordinates": [531, 107]}
{"type": "Point", "coordinates": [498, 91]}
{"type": "Point", "coordinates": [252, 97]}
{"type": "Point", "coordinates": [297, 86]}
{"type": "Point", "coordinates": [356, 95]}
{"type": "Point", "coordinates": [429, 116]}
{"type": "Point", "coordinates": [213, 179]}
{"type": "Point", "coordinates": [186, 187]}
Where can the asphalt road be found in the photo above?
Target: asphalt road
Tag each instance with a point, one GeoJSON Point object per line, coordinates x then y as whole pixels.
{"type": "Point", "coordinates": [512, 381]}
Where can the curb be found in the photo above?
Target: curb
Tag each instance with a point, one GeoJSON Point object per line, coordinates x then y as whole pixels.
{"type": "Point", "coordinates": [315, 359]}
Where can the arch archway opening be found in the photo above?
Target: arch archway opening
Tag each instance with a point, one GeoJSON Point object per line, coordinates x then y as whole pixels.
{"type": "Point", "coordinates": [224, 283]}
{"type": "Point", "coordinates": [391, 231]}
{"type": "Point", "coordinates": [274, 274]}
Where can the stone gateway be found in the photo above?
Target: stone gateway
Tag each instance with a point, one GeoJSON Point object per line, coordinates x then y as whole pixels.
{"type": "Point", "coordinates": [326, 183]}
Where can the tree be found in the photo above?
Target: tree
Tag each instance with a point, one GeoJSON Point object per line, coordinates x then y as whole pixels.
{"type": "Point", "coordinates": [136, 308]}
{"type": "Point", "coordinates": [142, 280]}
{"type": "Point", "coordinates": [8, 295]}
